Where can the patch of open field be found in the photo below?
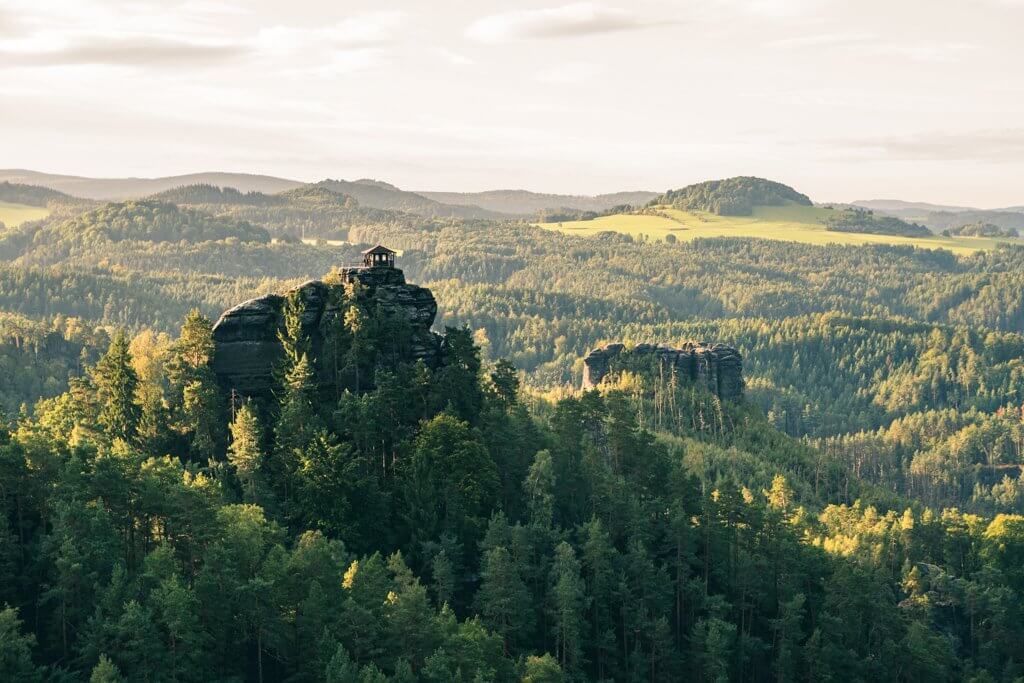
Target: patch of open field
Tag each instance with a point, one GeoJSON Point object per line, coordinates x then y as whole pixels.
{"type": "Point", "coordinates": [13, 215]}
{"type": "Point", "coordinates": [793, 223]}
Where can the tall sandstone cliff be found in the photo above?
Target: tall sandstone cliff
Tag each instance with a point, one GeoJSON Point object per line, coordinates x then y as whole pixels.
{"type": "Point", "coordinates": [718, 368]}
{"type": "Point", "coordinates": [247, 349]}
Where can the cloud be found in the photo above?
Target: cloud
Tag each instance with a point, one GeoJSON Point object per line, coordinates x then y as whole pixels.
{"type": "Point", "coordinates": [822, 39]}
{"type": "Point", "coordinates": [578, 19]}
{"type": "Point", "coordinates": [1006, 145]}
{"type": "Point", "coordinates": [872, 45]}
{"type": "Point", "coordinates": [941, 53]}
{"type": "Point", "coordinates": [348, 45]}
{"type": "Point", "coordinates": [369, 30]}
{"type": "Point", "coordinates": [777, 9]}
{"type": "Point", "coordinates": [570, 73]}
{"type": "Point", "coordinates": [132, 51]}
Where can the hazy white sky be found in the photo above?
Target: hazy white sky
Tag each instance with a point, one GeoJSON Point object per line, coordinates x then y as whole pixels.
{"type": "Point", "coordinates": [916, 99]}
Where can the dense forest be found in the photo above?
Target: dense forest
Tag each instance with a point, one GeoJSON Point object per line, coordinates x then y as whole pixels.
{"type": "Point", "coordinates": [855, 219]}
{"type": "Point", "coordinates": [981, 229]}
{"type": "Point", "coordinates": [32, 195]}
{"type": "Point", "coordinates": [858, 515]}
{"type": "Point", "coordinates": [732, 196]}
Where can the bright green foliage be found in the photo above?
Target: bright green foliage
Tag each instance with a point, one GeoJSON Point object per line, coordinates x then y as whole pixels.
{"type": "Point", "coordinates": [16, 649]}
{"type": "Point", "coordinates": [543, 669]}
{"type": "Point", "coordinates": [246, 452]}
{"type": "Point", "coordinates": [116, 383]}
{"type": "Point", "coordinates": [449, 481]}
{"type": "Point", "coordinates": [105, 671]}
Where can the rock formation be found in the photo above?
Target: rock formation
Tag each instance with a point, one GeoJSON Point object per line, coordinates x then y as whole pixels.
{"type": "Point", "coordinates": [246, 347]}
{"type": "Point", "coordinates": [717, 367]}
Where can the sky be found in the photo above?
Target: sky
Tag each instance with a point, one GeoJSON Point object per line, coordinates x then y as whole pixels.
{"type": "Point", "coordinates": [919, 100]}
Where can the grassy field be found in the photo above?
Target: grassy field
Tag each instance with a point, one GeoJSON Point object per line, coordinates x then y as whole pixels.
{"type": "Point", "coordinates": [13, 215]}
{"type": "Point", "coordinates": [793, 223]}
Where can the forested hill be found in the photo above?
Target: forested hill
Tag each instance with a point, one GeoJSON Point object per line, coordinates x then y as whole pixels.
{"type": "Point", "coordinates": [428, 525]}
{"type": "Point", "coordinates": [32, 195]}
{"type": "Point", "coordinates": [383, 195]}
{"type": "Point", "coordinates": [732, 196]}
{"type": "Point", "coordinates": [204, 193]}
{"type": "Point", "coordinates": [143, 221]}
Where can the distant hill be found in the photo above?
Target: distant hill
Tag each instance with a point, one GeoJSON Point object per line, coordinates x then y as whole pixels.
{"type": "Point", "coordinates": [893, 206]}
{"type": "Point", "coordinates": [981, 229]}
{"type": "Point", "coordinates": [381, 195]}
{"type": "Point", "coordinates": [233, 188]}
{"type": "Point", "coordinates": [947, 220]}
{"type": "Point", "coordinates": [865, 221]}
{"type": "Point", "coordinates": [31, 195]}
{"type": "Point", "coordinates": [211, 194]}
{"type": "Point", "coordinates": [526, 203]}
{"type": "Point", "coordinates": [133, 188]}
{"type": "Point", "coordinates": [153, 221]}
{"type": "Point", "coordinates": [733, 196]}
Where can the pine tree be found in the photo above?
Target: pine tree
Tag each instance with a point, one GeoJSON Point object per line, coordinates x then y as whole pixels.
{"type": "Point", "coordinates": [202, 414]}
{"type": "Point", "coordinates": [566, 607]}
{"type": "Point", "coordinates": [599, 559]}
{"type": "Point", "coordinates": [194, 397]}
{"type": "Point", "coordinates": [245, 453]}
{"type": "Point", "coordinates": [116, 383]}
{"type": "Point", "coordinates": [503, 599]}
{"type": "Point", "coordinates": [105, 671]}
{"type": "Point", "coordinates": [16, 649]}
{"type": "Point", "coordinates": [539, 487]}
{"type": "Point", "coordinates": [444, 579]}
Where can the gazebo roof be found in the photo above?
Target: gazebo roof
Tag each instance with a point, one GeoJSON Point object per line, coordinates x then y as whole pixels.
{"type": "Point", "coordinates": [379, 249]}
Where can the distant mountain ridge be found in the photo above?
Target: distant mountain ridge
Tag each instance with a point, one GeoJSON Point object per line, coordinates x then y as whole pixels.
{"type": "Point", "coordinates": [493, 204]}
{"type": "Point", "coordinates": [382, 195]}
{"type": "Point", "coordinates": [31, 195]}
{"type": "Point", "coordinates": [116, 189]}
{"type": "Point", "coordinates": [899, 205]}
{"type": "Point", "coordinates": [526, 203]}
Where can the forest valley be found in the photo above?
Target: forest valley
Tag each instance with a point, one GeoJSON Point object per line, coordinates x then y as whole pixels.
{"type": "Point", "coordinates": [856, 516]}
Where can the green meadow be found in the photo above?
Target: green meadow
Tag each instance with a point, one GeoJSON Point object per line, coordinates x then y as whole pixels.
{"type": "Point", "coordinates": [794, 223]}
{"type": "Point", "coordinates": [13, 215]}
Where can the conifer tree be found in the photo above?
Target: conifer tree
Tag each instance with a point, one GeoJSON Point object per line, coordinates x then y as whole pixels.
{"type": "Point", "coordinates": [245, 453]}
{"type": "Point", "coordinates": [503, 599]}
{"type": "Point", "coordinates": [116, 382]}
{"type": "Point", "coordinates": [195, 398]}
{"type": "Point", "coordinates": [16, 649]}
{"type": "Point", "coordinates": [105, 671]}
{"type": "Point", "coordinates": [539, 488]}
{"type": "Point", "coordinates": [566, 607]}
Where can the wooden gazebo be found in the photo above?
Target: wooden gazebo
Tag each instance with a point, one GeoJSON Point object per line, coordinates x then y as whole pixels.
{"type": "Point", "coordinates": [379, 257]}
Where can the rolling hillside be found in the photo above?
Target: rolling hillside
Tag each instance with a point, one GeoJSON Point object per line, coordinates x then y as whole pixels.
{"type": "Point", "coordinates": [13, 215]}
{"type": "Point", "coordinates": [793, 222]}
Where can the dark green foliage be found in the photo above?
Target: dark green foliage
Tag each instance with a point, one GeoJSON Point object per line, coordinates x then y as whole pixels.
{"type": "Point", "coordinates": [154, 221]}
{"type": "Point", "coordinates": [865, 221]}
{"type": "Point", "coordinates": [32, 195]}
{"type": "Point", "coordinates": [732, 196]}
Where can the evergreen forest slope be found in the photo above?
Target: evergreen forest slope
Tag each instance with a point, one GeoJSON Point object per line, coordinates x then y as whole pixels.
{"type": "Point", "coordinates": [859, 515]}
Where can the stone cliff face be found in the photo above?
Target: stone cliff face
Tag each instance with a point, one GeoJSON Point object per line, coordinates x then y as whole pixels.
{"type": "Point", "coordinates": [717, 367]}
{"type": "Point", "coordinates": [246, 347]}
